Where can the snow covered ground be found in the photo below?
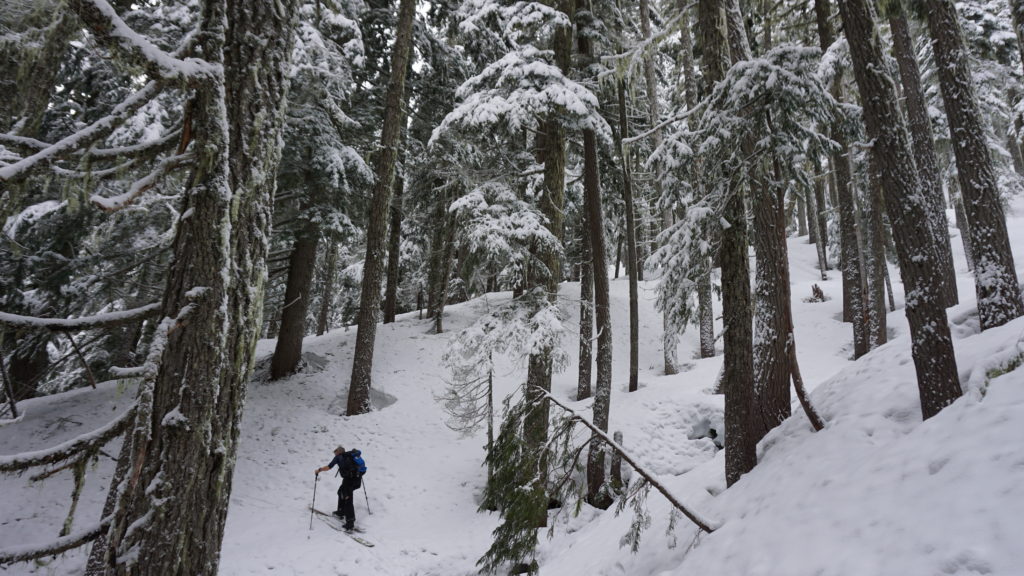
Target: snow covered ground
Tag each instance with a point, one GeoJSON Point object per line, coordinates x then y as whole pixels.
{"type": "Point", "coordinates": [877, 492]}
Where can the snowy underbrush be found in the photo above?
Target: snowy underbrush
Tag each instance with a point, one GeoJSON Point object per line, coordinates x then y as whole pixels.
{"type": "Point", "coordinates": [877, 492]}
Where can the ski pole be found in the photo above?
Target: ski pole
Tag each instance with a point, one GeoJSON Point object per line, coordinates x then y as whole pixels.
{"type": "Point", "coordinates": [312, 506]}
{"type": "Point", "coordinates": [367, 499]}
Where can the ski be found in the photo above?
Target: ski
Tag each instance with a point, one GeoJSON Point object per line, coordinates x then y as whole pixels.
{"type": "Point", "coordinates": [335, 523]}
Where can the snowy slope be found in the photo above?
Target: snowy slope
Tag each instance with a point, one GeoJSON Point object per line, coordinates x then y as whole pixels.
{"type": "Point", "coordinates": [877, 492]}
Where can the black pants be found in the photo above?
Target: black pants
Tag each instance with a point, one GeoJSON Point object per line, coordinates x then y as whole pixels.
{"type": "Point", "coordinates": [345, 503]}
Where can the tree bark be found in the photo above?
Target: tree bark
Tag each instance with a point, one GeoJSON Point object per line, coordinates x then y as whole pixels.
{"type": "Point", "coordinates": [849, 248]}
{"type": "Point", "coordinates": [668, 338]}
{"type": "Point", "coordinates": [874, 261]}
{"type": "Point", "coordinates": [738, 368]}
{"type": "Point", "coordinates": [288, 350]}
{"type": "Point", "coordinates": [327, 297]}
{"type": "Point", "coordinates": [376, 232]}
{"type": "Point", "coordinates": [924, 149]}
{"type": "Point", "coordinates": [173, 505]}
{"type": "Point", "coordinates": [705, 313]}
{"type": "Point", "coordinates": [995, 278]}
{"type": "Point", "coordinates": [583, 388]}
{"type": "Point", "coordinates": [597, 495]}
{"type": "Point", "coordinates": [931, 343]}
{"type": "Point", "coordinates": [771, 310]}
{"type": "Point", "coordinates": [394, 246]}
{"type": "Point", "coordinates": [631, 256]}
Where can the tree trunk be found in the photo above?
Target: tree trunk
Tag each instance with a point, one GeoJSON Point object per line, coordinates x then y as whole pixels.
{"type": "Point", "coordinates": [924, 149]}
{"type": "Point", "coordinates": [668, 337]}
{"type": "Point", "coordinates": [819, 221]}
{"type": "Point", "coordinates": [538, 376]}
{"type": "Point", "coordinates": [874, 261]}
{"type": "Point", "coordinates": [583, 388]}
{"type": "Point", "coordinates": [738, 368]}
{"type": "Point", "coordinates": [173, 505]}
{"type": "Point", "coordinates": [301, 263]}
{"type": "Point", "coordinates": [771, 309]}
{"type": "Point", "coordinates": [394, 246]}
{"type": "Point", "coordinates": [377, 223]}
{"type": "Point", "coordinates": [932, 346]}
{"type": "Point", "coordinates": [597, 495]}
{"type": "Point", "coordinates": [1017, 13]}
{"type": "Point", "coordinates": [995, 278]}
{"type": "Point", "coordinates": [705, 313]}
{"type": "Point", "coordinates": [327, 297]}
{"type": "Point", "coordinates": [961, 221]}
{"type": "Point", "coordinates": [849, 248]}
{"type": "Point", "coordinates": [801, 220]}
{"type": "Point", "coordinates": [631, 256]}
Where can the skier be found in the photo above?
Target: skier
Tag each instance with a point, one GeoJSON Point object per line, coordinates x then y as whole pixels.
{"type": "Point", "coordinates": [350, 482]}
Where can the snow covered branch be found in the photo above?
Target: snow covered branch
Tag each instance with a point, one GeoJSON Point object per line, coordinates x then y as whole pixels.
{"type": "Point", "coordinates": [140, 186]}
{"type": "Point", "coordinates": [113, 32]}
{"type": "Point", "coordinates": [84, 137]}
{"type": "Point", "coordinates": [105, 320]}
{"type": "Point", "coordinates": [696, 518]}
{"type": "Point", "coordinates": [62, 544]}
{"type": "Point", "coordinates": [86, 442]}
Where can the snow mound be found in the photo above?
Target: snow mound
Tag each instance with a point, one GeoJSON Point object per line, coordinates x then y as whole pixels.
{"type": "Point", "coordinates": [879, 491]}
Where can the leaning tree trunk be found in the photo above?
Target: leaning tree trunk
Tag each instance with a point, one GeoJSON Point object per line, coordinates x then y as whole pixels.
{"type": "Point", "coordinates": [995, 279]}
{"type": "Point", "coordinates": [931, 343]}
{"type": "Point", "coordinates": [172, 506]}
{"type": "Point", "coordinates": [924, 149]}
{"type": "Point", "coordinates": [376, 230]}
{"type": "Point", "coordinates": [738, 368]}
{"type": "Point", "coordinates": [288, 350]}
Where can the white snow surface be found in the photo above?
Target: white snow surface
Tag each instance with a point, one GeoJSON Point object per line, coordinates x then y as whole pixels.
{"type": "Point", "coordinates": [877, 492]}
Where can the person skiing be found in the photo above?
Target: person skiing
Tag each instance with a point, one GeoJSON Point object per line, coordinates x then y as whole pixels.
{"type": "Point", "coordinates": [350, 482]}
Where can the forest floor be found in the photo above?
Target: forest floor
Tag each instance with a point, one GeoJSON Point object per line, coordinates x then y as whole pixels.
{"type": "Point", "coordinates": [877, 492]}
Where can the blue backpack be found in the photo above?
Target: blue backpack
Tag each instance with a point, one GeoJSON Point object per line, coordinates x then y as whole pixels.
{"type": "Point", "coordinates": [357, 458]}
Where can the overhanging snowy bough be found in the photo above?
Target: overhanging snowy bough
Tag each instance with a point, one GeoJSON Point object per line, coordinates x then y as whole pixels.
{"type": "Point", "coordinates": [76, 453]}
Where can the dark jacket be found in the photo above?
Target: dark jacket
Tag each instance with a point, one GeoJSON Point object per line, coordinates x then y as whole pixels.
{"type": "Point", "coordinates": [348, 469]}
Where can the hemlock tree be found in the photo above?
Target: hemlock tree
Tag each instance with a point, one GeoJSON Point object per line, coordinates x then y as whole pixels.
{"type": "Point", "coordinates": [892, 161]}
{"type": "Point", "coordinates": [377, 222]}
{"type": "Point", "coordinates": [924, 144]}
{"type": "Point", "coordinates": [999, 299]}
{"type": "Point", "coordinates": [738, 368]}
{"type": "Point", "coordinates": [319, 169]}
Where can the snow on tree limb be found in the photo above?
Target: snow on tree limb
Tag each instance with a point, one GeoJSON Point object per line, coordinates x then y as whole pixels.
{"type": "Point", "coordinates": [112, 31]}
{"type": "Point", "coordinates": [84, 137]}
{"type": "Point", "coordinates": [142, 185]}
{"type": "Point", "coordinates": [105, 320]}
{"type": "Point", "coordinates": [701, 522]}
{"type": "Point", "coordinates": [30, 552]}
{"type": "Point", "coordinates": [86, 442]}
